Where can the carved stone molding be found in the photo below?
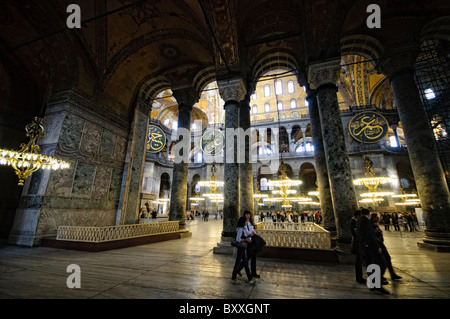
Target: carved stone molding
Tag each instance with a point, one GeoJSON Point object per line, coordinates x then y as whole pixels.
{"type": "Point", "coordinates": [397, 59]}
{"type": "Point", "coordinates": [324, 73]}
{"type": "Point", "coordinates": [232, 90]}
{"type": "Point", "coordinates": [186, 97]}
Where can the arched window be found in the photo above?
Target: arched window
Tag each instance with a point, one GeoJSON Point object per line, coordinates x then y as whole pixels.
{"type": "Point", "coordinates": [280, 105]}
{"type": "Point", "coordinates": [263, 184]}
{"type": "Point", "coordinates": [199, 157]}
{"type": "Point", "coordinates": [174, 125]}
{"type": "Point", "coordinates": [267, 107]}
{"type": "Point", "coordinates": [306, 103]}
{"type": "Point", "coordinates": [253, 96]}
{"type": "Point", "coordinates": [429, 94]}
{"type": "Point", "coordinates": [254, 109]}
{"type": "Point", "coordinates": [291, 87]}
{"type": "Point", "coordinates": [293, 103]}
{"type": "Point", "coordinates": [278, 87]}
{"type": "Point", "coordinates": [266, 90]}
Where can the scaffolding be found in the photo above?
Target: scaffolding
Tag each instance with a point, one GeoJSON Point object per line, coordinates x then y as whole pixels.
{"type": "Point", "coordinates": [432, 75]}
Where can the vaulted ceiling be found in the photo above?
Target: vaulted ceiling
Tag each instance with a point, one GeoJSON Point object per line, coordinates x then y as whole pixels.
{"type": "Point", "coordinates": [126, 44]}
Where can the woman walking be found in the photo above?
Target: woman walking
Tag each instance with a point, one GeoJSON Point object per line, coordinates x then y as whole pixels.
{"type": "Point", "coordinates": [241, 256]}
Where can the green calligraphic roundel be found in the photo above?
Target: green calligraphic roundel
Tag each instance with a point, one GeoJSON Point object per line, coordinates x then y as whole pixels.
{"type": "Point", "coordinates": [368, 127]}
{"type": "Point", "coordinates": [156, 139]}
{"type": "Point", "coordinates": [213, 142]}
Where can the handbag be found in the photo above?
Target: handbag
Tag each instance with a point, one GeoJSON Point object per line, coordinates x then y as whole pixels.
{"type": "Point", "coordinates": [238, 244]}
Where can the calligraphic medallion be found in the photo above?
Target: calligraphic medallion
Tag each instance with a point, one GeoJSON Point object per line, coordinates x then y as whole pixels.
{"type": "Point", "coordinates": [156, 139]}
{"type": "Point", "coordinates": [212, 142]}
{"type": "Point", "coordinates": [368, 127]}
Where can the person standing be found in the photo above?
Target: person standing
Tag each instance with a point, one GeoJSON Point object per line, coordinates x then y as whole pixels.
{"type": "Point", "coordinates": [370, 247]}
{"type": "Point", "coordinates": [249, 232]}
{"type": "Point", "coordinates": [374, 219]}
{"type": "Point", "coordinates": [355, 248]}
{"type": "Point", "coordinates": [241, 256]}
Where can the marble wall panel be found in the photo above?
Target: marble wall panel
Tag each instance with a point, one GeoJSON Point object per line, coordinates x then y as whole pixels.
{"type": "Point", "coordinates": [101, 182]}
{"type": "Point", "coordinates": [91, 138]}
{"type": "Point", "coordinates": [60, 181]}
{"type": "Point", "coordinates": [107, 144]}
{"type": "Point", "coordinates": [71, 131]}
{"type": "Point", "coordinates": [120, 149]}
{"type": "Point", "coordinates": [115, 185]}
{"type": "Point", "coordinates": [83, 180]}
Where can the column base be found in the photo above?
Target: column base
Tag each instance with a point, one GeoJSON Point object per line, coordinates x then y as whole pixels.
{"type": "Point", "coordinates": [224, 246]}
{"type": "Point", "coordinates": [439, 242]}
{"type": "Point", "coordinates": [342, 251]}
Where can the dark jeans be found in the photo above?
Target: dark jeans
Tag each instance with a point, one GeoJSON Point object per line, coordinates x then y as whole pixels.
{"type": "Point", "coordinates": [241, 260]}
{"type": "Point", "coordinates": [371, 256]}
{"type": "Point", "coordinates": [252, 258]}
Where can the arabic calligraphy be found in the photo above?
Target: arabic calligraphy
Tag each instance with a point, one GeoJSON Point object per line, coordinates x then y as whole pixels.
{"type": "Point", "coordinates": [368, 127]}
{"type": "Point", "coordinates": [156, 139]}
{"type": "Point", "coordinates": [213, 142]}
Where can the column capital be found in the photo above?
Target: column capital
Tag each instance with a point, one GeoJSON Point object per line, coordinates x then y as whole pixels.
{"type": "Point", "coordinates": [324, 73]}
{"type": "Point", "coordinates": [232, 90]}
{"type": "Point", "coordinates": [397, 59]}
{"type": "Point", "coordinates": [186, 97]}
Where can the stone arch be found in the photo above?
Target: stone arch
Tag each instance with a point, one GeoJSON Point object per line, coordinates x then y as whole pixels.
{"type": "Point", "coordinates": [274, 61]}
{"type": "Point", "coordinates": [438, 28]}
{"type": "Point", "coordinates": [364, 45]}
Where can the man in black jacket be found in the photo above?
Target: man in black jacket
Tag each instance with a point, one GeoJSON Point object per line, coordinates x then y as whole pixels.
{"type": "Point", "coordinates": [370, 247]}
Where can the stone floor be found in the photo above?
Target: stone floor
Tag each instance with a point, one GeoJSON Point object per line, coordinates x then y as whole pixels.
{"type": "Point", "coordinates": [188, 269]}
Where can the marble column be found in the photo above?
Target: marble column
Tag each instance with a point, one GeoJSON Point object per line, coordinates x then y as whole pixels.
{"type": "Point", "coordinates": [427, 169]}
{"type": "Point", "coordinates": [128, 208]}
{"type": "Point", "coordinates": [322, 78]}
{"type": "Point", "coordinates": [231, 91]}
{"type": "Point", "coordinates": [246, 168]}
{"type": "Point", "coordinates": [186, 98]}
{"type": "Point", "coordinates": [326, 202]}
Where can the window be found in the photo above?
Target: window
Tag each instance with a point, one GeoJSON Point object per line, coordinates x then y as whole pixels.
{"type": "Point", "coordinates": [199, 157]}
{"type": "Point", "coordinates": [280, 105]}
{"type": "Point", "coordinates": [291, 88]}
{"type": "Point", "coordinates": [278, 87]}
{"type": "Point", "coordinates": [254, 109]}
{"type": "Point", "coordinates": [267, 107]}
{"type": "Point", "coordinates": [253, 96]}
{"type": "Point", "coordinates": [174, 126]}
{"type": "Point", "coordinates": [393, 141]}
{"type": "Point", "coordinates": [306, 103]}
{"type": "Point", "coordinates": [194, 126]}
{"type": "Point", "coordinates": [293, 103]}
{"type": "Point", "coordinates": [166, 122]}
{"type": "Point", "coordinates": [266, 90]}
{"type": "Point", "coordinates": [263, 184]}
{"type": "Point", "coordinates": [429, 94]}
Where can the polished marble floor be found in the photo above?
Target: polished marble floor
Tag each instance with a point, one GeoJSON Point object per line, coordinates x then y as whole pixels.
{"type": "Point", "coordinates": [188, 269]}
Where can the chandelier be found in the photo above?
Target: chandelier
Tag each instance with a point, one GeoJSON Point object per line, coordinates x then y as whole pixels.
{"type": "Point", "coordinates": [407, 199]}
{"type": "Point", "coordinates": [371, 181]}
{"type": "Point", "coordinates": [213, 185]}
{"type": "Point", "coordinates": [28, 159]}
{"type": "Point", "coordinates": [284, 183]}
{"type": "Point", "coordinates": [257, 195]}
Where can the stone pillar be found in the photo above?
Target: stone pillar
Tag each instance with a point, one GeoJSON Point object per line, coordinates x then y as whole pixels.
{"type": "Point", "coordinates": [322, 77]}
{"type": "Point", "coordinates": [326, 202]}
{"type": "Point", "coordinates": [246, 168]}
{"type": "Point", "coordinates": [186, 98]}
{"type": "Point", "coordinates": [290, 143]}
{"type": "Point", "coordinates": [304, 138]}
{"type": "Point", "coordinates": [428, 173]}
{"type": "Point", "coordinates": [128, 209]}
{"type": "Point", "coordinates": [232, 92]}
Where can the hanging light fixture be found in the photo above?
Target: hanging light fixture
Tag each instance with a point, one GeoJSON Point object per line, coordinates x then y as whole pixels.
{"type": "Point", "coordinates": [371, 181]}
{"type": "Point", "coordinates": [213, 185]}
{"type": "Point", "coordinates": [28, 159]}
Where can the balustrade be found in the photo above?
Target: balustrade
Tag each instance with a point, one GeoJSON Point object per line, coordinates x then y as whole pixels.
{"type": "Point", "coordinates": [294, 235]}
{"type": "Point", "coordinates": [109, 233]}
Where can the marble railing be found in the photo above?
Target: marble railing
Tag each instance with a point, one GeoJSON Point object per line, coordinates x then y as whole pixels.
{"type": "Point", "coordinates": [294, 235]}
{"type": "Point", "coordinates": [110, 233]}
